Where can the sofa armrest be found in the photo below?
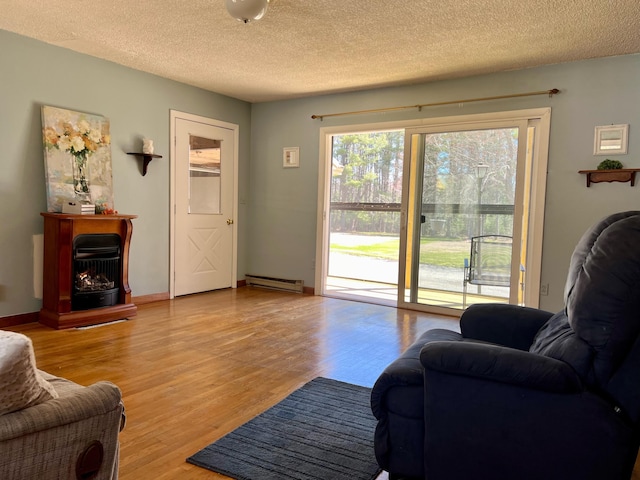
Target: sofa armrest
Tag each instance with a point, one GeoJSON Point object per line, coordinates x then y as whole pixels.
{"type": "Point", "coordinates": [509, 325]}
{"type": "Point", "coordinates": [500, 364]}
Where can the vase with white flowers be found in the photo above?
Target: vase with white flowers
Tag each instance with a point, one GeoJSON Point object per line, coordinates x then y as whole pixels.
{"type": "Point", "coordinates": [80, 141]}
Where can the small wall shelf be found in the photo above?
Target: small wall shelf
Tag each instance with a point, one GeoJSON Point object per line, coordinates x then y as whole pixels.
{"type": "Point", "coordinates": [620, 175]}
{"type": "Point", "coordinates": [146, 157]}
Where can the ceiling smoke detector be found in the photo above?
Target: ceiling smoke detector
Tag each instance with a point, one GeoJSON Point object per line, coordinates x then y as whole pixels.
{"type": "Point", "coordinates": [247, 10]}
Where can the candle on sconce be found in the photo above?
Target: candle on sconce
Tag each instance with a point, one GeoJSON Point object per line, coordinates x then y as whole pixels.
{"type": "Point", "coordinates": [147, 146]}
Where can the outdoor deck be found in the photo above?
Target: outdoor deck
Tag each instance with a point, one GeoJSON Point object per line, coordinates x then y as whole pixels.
{"type": "Point", "coordinates": [387, 293]}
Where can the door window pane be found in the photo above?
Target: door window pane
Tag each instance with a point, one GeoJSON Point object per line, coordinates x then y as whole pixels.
{"type": "Point", "coordinates": [204, 175]}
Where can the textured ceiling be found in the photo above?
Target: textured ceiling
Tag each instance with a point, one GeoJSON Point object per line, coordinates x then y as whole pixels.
{"type": "Point", "coordinates": [310, 47]}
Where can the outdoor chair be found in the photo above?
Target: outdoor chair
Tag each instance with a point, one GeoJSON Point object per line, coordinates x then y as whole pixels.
{"type": "Point", "coordinates": [489, 263]}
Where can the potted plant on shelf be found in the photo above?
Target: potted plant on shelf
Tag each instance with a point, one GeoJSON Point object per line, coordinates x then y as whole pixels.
{"type": "Point", "coordinates": [609, 165]}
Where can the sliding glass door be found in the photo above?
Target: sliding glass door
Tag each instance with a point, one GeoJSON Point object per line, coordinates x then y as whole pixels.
{"type": "Point", "coordinates": [466, 193]}
{"type": "Point", "coordinates": [453, 209]}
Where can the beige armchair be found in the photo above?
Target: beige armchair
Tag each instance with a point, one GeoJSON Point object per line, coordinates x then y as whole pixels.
{"type": "Point", "coordinates": [69, 433]}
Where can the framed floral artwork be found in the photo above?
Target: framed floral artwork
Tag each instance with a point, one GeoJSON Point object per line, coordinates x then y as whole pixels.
{"type": "Point", "coordinates": [77, 158]}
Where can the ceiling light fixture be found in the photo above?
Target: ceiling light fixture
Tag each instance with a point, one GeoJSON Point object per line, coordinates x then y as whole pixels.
{"type": "Point", "coordinates": [247, 10]}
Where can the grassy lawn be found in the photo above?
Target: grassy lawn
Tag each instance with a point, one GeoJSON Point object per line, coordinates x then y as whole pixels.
{"type": "Point", "coordinates": [433, 251]}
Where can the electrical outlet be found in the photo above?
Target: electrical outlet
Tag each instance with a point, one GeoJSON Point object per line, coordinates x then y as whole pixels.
{"type": "Point", "coordinates": [544, 289]}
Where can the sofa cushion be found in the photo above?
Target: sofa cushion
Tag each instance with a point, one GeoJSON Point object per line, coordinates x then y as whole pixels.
{"type": "Point", "coordinates": [21, 385]}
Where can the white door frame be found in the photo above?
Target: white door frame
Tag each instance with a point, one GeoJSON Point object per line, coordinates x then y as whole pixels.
{"type": "Point", "coordinates": [175, 114]}
{"type": "Point", "coordinates": [539, 180]}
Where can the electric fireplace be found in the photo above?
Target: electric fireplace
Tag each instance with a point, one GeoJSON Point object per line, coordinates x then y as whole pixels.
{"type": "Point", "coordinates": [86, 264]}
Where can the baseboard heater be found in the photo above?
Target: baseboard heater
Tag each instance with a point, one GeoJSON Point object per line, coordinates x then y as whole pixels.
{"type": "Point", "coordinates": [275, 283]}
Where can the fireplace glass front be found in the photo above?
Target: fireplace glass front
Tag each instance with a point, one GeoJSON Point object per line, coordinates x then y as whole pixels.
{"type": "Point", "coordinates": [96, 271]}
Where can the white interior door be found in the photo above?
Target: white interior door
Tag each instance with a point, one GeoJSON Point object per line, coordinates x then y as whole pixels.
{"type": "Point", "coordinates": [204, 179]}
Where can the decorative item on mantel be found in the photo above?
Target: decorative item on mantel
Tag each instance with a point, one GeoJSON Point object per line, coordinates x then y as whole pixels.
{"type": "Point", "coordinates": [610, 171]}
{"type": "Point", "coordinates": [77, 155]}
{"type": "Point", "coordinates": [147, 154]}
{"type": "Point", "coordinates": [78, 208]}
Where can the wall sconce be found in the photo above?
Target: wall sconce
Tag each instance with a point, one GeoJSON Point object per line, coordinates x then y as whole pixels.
{"type": "Point", "coordinates": [247, 10]}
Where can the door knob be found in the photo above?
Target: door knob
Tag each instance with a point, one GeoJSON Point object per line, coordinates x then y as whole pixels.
{"type": "Point", "coordinates": [229, 221]}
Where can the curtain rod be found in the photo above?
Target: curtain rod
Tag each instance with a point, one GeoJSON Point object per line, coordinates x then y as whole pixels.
{"type": "Point", "coordinates": [551, 93]}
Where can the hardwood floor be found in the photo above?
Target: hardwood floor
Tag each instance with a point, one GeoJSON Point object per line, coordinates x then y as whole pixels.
{"type": "Point", "coordinates": [194, 368]}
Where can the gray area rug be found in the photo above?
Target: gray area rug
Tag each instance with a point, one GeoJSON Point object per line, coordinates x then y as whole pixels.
{"type": "Point", "coordinates": [322, 431]}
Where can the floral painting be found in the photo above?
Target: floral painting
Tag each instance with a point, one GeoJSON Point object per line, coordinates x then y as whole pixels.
{"type": "Point", "coordinates": [77, 155]}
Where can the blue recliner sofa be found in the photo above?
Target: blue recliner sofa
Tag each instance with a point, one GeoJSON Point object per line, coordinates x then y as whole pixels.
{"type": "Point", "coordinates": [524, 394]}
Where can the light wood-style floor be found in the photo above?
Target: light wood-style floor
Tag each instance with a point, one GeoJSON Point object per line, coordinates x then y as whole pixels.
{"type": "Point", "coordinates": [194, 368]}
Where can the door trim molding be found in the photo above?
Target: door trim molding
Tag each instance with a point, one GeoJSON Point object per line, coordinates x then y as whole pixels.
{"type": "Point", "coordinates": [174, 115]}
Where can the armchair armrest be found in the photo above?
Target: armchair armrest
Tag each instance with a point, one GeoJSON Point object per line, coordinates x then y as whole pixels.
{"type": "Point", "coordinates": [101, 398]}
{"type": "Point", "coordinates": [406, 370]}
{"type": "Point", "coordinates": [507, 409]}
{"type": "Point", "coordinates": [76, 432]}
{"type": "Point", "coordinates": [509, 325]}
{"type": "Point", "coordinates": [500, 364]}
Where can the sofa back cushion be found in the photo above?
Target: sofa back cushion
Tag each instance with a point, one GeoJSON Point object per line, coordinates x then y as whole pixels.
{"type": "Point", "coordinates": [21, 385]}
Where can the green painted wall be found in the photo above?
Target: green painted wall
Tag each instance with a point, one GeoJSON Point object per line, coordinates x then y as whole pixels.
{"type": "Point", "coordinates": [277, 207]}
{"type": "Point", "coordinates": [282, 209]}
{"type": "Point", "coordinates": [137, 105]}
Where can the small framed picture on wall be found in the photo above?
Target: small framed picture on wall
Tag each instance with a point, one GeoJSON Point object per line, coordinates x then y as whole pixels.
{"type": "Point", "coordinates": [611, 140]}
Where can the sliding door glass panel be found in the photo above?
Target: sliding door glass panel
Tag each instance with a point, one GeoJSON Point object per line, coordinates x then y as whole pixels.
{"type": "Point", "coordinates": [462, 192]}
{"type": "Point", "coordinates": [204, 175]}
{"type": "Point", "coordinates": [364, 216]}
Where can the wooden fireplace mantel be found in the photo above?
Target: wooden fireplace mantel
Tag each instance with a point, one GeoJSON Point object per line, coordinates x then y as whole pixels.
{"type": "Point", "coordinates": [60, 229]}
